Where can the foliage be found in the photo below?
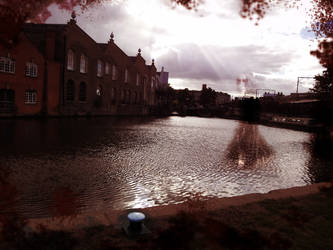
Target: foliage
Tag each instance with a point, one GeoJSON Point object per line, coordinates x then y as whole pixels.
{"type": "Point", "coordinates": [208, 97]}
{"type": "Point", "coordinates": [324, 83]}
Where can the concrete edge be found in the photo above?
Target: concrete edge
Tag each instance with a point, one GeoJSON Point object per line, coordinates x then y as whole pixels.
{"type": "Point", "coordinates": [111, 217]}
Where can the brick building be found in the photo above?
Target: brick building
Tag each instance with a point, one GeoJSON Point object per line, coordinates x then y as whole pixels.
{"type": "Point", "coordinates": [25, 74]}
{"type": "Point", "coordinates": [76, 75]}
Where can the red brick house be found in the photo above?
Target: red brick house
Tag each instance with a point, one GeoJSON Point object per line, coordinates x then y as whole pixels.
{"type": "Point", "coordinates": [24, 81]}
{"type": "Point", "coordinates": [58, 69]}
{"type": "Point", "coordinates": [96, 78]}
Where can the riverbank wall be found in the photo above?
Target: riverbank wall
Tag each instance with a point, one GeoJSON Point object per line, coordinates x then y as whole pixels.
{"type": "Point", "coordinates": [118, 218]}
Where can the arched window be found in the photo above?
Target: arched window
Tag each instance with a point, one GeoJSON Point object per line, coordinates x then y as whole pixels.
{"type": "Point", "coordinates": [83, 92]}
{"type": "Point", "coordinates": [137, 79]}
{"type": "Point", "coordinates": [99, 68]}
{"type": "Point", "coordinates": [70, 90]}
{"type": "Point", "coordinates": [135, 97]}
{"type": "Point", "coordinates": [126, 76]}
{"type": "Point", "coordinates": [70, 60]}
{"type": "Point", "coordinates": [152, 82]}
{"type": "Point", "coordinates": [123, 96]}
{"type": "Point", "coordinates": [114, 72]}
{"type": "Point", "coordinates": [129, 97]}
{"type": "Point", "coordinates": [113, 95]}
{"type": "Point", "coordinates": [83, 64]}
{"type": "Point", "coordinates": [107, 68]}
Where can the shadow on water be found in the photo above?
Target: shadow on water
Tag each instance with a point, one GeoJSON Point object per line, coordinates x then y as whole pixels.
{"type": "Point", "coordinates": [43, 163]}
{"type": "Point", "coordinates": [320, 164]}
{"type": "Point", "coordinates": [248, 149]}
{"type": "Point", "coordinates": [65, 135]}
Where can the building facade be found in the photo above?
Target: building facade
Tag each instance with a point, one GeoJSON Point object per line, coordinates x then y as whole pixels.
{"type": "Point", "coordinates": [25, 74]}
{"type": "Point", "coordinates": [58, 69]}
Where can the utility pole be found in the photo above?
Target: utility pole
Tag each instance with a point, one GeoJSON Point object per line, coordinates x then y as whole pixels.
{"type": "Point", "coordinates": [302, 77]}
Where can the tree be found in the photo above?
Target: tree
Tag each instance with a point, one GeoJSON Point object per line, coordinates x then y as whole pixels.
{"type": "Point", "coordinates": [207, 97]}
{"type": "Point", "coordinates": [324, 82]}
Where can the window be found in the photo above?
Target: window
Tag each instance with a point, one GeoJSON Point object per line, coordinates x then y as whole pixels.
{"type": "Point", "coordinates": [7, 96]}
{"type": "Point", "coordinates": [126, 75]}
{"type": "Point", "coordinates": [70, 91]}
{"type": "Point", "coordinates": [129, 97]}
{"type": "Point", "coordinates": [123, 96]}
{"type": "Point", "coordinates": [99, 68]}
{"type": "Point", "coordinates": [135, 97]}
{"type": "Point", "coordinates": [152, 82]}
{"type": "Point", "coordinates": [114, 72]}
{"type": "Point", "coordinates": [107, 68]}
{"type": "Point", "coordinates": [70, 60]}
{"type": "Point", "coordinates": [83, 64]}
{"type": "Point", "coordinates": [31, 69]}
{"type": "Point", "coordinates": [113, 95]}
{"type": "Point", "coordinates": [137, 79]}
{"type": "Point", "coordinates": [7, 65]}
{"type": "Point", "coordinates": [99, 91]}
{"type": "Point", "coordinates": [30, 97]}
{"type": "Point", "coordinates": [83, 92]}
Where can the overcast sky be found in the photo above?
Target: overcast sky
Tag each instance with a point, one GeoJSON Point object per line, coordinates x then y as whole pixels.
{"type": "Point", "coordinates": [213, 45]}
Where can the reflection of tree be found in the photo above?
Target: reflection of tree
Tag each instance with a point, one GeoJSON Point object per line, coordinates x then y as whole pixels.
{"type": "Point", "coordinates": [319, 166]}
{"type": "Point", "coordinates": [248, 148]}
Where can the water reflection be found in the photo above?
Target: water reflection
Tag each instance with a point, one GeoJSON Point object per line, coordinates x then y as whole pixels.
{"type": "Point", "coordinates": [248, 149]}
{"type": "Point", "coordinates": [320, 162]}
{"type": "Point", "coordinates": [68, 166]}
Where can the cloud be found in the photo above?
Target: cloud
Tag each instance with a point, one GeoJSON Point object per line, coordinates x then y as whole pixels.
{"type": "Point", "coordinates": [130, 34]}
{"type": "Point", "coordinates": [223, 65]}
{"type": "Point", "coordinates": [213, 45]}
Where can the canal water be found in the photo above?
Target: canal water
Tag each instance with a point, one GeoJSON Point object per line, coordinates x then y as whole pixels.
{"type": "Point", "coordinates": [72, 165]}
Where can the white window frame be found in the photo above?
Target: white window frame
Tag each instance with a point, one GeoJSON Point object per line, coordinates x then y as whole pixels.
{"type": "Point", "coordinates": [99, 68]}
{"type": "Point", "coordinates": [31, 69]}
{"type": "Point", "coordinates": [7, 65]}
{"type": "Point", "coordinates": [83, 64]}
{"type": "Point", "coordinates": [30, 96]}
{"type": "Point", "coordinates": [70, 59]}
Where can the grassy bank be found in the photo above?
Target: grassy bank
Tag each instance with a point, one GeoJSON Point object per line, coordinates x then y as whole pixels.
{"type": "Point", "coordinates": [302, 222]}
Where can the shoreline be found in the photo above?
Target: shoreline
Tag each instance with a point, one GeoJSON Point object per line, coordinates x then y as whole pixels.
{"type": "Point", "coordinates": [118, 217]}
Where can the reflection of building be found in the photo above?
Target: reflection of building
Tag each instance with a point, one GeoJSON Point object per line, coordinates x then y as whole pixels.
{"type": "Point", "coordinates": [59, 69]}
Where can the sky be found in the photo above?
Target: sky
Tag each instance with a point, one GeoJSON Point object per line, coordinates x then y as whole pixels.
{"type": "Point", "coordinates": [212, 45]}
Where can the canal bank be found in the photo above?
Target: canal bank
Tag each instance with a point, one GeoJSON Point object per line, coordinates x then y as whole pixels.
{"type": "Point", "coordinates": [298, 218]}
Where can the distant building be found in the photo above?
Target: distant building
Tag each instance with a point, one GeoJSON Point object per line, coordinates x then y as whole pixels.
{"type": "Point", "coordinates": [222, 98]}
{"type": "Point", "coordinates": [163, 78]}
